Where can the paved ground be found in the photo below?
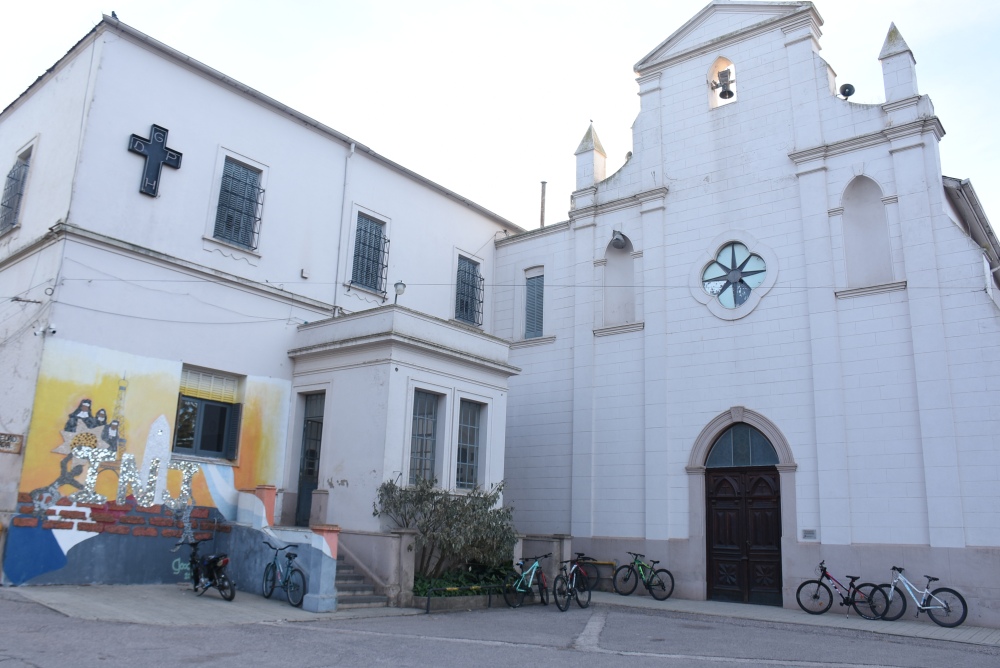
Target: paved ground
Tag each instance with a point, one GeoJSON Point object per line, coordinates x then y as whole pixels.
{"type": "Point", "coordinates": [171, 605]}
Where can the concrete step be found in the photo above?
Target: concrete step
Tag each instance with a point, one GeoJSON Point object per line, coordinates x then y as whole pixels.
{"type": "Point", "coordinates": [353, 590]}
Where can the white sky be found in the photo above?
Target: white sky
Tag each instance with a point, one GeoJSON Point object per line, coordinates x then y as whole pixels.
{"type": "Point", "coordinates": [489, 98]}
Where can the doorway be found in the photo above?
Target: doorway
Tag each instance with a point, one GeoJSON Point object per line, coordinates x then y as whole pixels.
{"type": "Point", "coordinates": [743, 518]}
{"type": "Point", "coordinates": [312, 441]}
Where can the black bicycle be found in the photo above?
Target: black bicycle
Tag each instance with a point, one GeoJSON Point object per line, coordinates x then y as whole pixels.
{"type": "Point", "coordinates": [868, 600]}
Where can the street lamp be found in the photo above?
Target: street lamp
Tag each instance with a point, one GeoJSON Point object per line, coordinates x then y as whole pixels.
{"type": "Point", "coordinates": [400, 287]}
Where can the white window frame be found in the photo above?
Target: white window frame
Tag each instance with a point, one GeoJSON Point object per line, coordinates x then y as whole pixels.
{"type": "Point", "coordinates": [29, 150]}
{"type": "Point", "coordinates": [456, 255]}
{"type": "Point", "coordinates": [697, 287]}
{"type": "Point", "coordinates": [444, 395]}
{"type": "Point", "coordinates": [352, 240]}
{"type": "Point", "coordinates": [485, 431]}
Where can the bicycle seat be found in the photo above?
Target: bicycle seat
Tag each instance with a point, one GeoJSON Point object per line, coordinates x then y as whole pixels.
{"type": "Point", "coordinates": [930, 579]}
{"type": "Point", "coordinates": [852, 578]}
{"type": "Point", "coordinates": [290, 556]}
{"type": "Point", "coordinates": [653, 562]}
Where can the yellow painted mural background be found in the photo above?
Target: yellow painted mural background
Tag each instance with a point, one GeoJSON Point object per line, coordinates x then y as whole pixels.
{"type": "Point", "coordinates": [71, 372]}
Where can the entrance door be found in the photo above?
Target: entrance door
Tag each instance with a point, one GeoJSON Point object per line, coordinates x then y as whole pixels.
{"type": "Point", "coordinates": [743, 513]}
{"type": "Point", "coordinates": [312, 439]}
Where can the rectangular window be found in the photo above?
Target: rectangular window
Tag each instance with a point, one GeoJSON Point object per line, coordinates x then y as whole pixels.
{"type": "Point", "coordinates": [371, 254]}
{"type": "Point", "coordinates": [469, 416]}
{"type": "Point", "coordinates": [533, 302]}
{"type": "Point", "coordinates": [469, 292]}
{"type": "Point", "coordinates": [13, 192]}
{"type": "Point", "coordinates": [423, 440]}
{"type": "Point", "coordinates": [241, 198]}
{"type": "Point", "coordinates": [208, 415]}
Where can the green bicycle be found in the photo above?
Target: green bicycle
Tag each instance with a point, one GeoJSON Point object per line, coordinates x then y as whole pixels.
{"type": "Point", "coordinates": [290, 578]}
{"type": "Point", "coordinates": [517, 585]}
{"type": "Point", "coordinates": [659, 583]}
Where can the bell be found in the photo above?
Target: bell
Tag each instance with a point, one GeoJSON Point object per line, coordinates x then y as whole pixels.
{"type": "Point", "coordinates": [726, 94]}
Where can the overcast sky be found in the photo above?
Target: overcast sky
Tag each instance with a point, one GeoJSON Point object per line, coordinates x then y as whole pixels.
{"type": "Point", "coordinates": [491, 98]}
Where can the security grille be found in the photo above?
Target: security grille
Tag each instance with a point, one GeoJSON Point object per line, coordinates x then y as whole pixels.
{"type": "Point", "coordinates": [371, 254]}
{"type": "Point", "coordinates": [533, 307]}
{"type": "Point", "coordinates": [467, 475]}
{"type": "Point", "coordinates": [469, 293]}
{"type": "Point", "coordinates": [241, 198]}
{"type": "Point", "coordinates": [424, 437]}
{"type": "Point", "coordinates": [13, 191]}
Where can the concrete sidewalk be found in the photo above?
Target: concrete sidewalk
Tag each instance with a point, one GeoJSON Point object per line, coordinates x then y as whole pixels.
{"type": "Point", "coordinates": [177, 605]}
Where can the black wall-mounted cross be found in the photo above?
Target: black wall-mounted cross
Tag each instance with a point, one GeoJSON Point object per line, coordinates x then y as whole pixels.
{"type": "Point", "coordinates": [157, 154]}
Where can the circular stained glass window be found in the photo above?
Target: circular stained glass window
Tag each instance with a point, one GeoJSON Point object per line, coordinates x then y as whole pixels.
{"type": "Point", "coordinates": [733, 274]}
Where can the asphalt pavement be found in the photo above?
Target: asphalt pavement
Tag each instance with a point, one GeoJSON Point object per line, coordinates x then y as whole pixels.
{"type": "Point", "coordinates": [178, 605]}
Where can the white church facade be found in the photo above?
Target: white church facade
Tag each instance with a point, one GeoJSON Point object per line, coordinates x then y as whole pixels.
{"type": "Point", "coordinates": [771, 337]}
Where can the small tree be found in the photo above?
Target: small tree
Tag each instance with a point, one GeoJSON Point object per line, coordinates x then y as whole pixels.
{"type": "Point", "coordinates": [452, 529]}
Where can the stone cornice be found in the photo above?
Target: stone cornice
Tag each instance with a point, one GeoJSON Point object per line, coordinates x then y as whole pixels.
{"type": "Point", "coordinates": [921, 126]}
{"type": "Point", "coordinates": [621, 203]}
{"type": "Point", "coordinates": [620, 329]}
{"type": "Point", "coordinates": [531, 234]}
{"type": "Point", "coordinates": [537, 341]}
{"type": "Point", "coordinates": [870, 290]}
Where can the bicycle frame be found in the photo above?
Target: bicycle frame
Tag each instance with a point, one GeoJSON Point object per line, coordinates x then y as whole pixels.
{"type": "Point", "coordinates": [643, 569]}
{"type": "Point", "coordinates": [912, 590]}
{"type": "Point", "coordinates": [528, 577]}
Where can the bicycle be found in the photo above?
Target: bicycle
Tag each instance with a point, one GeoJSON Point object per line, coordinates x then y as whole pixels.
{"type": "Point", "coordinates": [659, 583]}
{"type": "Point", "coordinates": [572, 583]}
{"type": "Point", "coordinates": [868, 600]}
{"type": "Point", "coordinates": [291, 578]}
{"type": "Point", "coordinates": [946, 607]}
{"type": "Point", "coordinates": [517, 585]}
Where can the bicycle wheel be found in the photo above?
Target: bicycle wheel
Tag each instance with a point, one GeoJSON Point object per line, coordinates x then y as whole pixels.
{"type": "Point", "coordinates": [561, 592]}
{"type": "Point", "coordinates": [269, 578]}
{"type": "Point", "coordinates": [661, 584]}
{"type": "Point", "coordinates": [590, 570]}
{"type": "Point", "coordinates": [543, 590]}
{"type": "Point", "coordinates": [512, 592]}
{"type": "Point", "coordinates": [896, 605]}
{"type": "Point", "coordinates": [869, 601]}
{"type": "Point", "coordinates": [296, 587]}
{"type": "Point", "coordinates": [580, 581]}
{"type": "Point", "coordinates": [225, 587]}
{"type": "Point", "coordinates": [582, 590]}
{"type": "Point", "coordinates": [625, 579]}
{"type": "Point", "coordinates": [814, 597]}
{"type": "Point", "coordinates": [954, 611]}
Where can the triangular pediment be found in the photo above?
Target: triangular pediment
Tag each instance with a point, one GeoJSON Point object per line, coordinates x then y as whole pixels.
{"type": "Point", "coordinates": [718, 20]}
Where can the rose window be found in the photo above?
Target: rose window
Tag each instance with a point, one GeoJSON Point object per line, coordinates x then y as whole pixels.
{"type": "Point", "coordinates": [733, 275]}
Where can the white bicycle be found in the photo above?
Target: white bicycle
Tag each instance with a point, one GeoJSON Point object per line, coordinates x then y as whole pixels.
{"type": "Point", "coordinates": [945, 606]}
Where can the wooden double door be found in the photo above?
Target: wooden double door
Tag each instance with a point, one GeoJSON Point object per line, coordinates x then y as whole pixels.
{"type": "Point", "coordinates": [743, 515]}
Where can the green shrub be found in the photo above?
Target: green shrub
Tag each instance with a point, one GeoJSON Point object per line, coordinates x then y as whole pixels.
{"type": "Point", "coordinates": [452, 529]}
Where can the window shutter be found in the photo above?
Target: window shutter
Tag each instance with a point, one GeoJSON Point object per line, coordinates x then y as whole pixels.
{"type": "Point", "coordinates": [233, 431]}
{"type": "Point", "coordinates": [202, 385]}
{"type": "Point", "coordinates": [534, 300]}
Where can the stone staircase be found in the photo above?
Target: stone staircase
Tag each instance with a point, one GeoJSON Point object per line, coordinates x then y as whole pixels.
{"type": "Point", "coordinates": [353, 590]}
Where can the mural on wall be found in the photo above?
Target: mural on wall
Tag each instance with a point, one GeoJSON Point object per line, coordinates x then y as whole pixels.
{"type": "Point", "coordinates": [87, 492]}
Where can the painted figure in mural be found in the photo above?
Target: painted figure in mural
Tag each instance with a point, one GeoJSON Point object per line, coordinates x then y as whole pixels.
{"type": "Point", "coordinates": [82, 412]}
{"type": "Point", "coordinates": [101, 418]}
{"type": "Point", "coordinates": [44, 498]}
{"type": "Point", "coordinates": [110, 435]}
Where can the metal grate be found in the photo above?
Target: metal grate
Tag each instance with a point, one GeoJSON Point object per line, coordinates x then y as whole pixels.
{"type": "Point", "coordinates": [533, 302]}
{"type": "Point", "coordinates": [241, 198]}
{"type": "Point", "coordinates": [469, 292]}
{"type": "Point", "coordinates": [13, 191]}
{"type": "Point", "coordinates": [424, 437]}
{"type": "Point", "coordinates": [467, 474]}
{"type": "Point", "coordinates": [371, 254]}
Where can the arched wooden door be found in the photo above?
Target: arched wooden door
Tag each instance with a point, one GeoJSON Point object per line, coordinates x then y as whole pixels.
{"type": "Point", "coordinates": [743, 516]}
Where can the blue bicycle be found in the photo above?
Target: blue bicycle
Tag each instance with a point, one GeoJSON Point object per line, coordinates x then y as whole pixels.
{"type": "Point", "coordinates": [518, 585]}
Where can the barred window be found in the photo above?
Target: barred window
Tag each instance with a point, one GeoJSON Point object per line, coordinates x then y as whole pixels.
{"type": "Point", "coordinates": [371, 254]}
{"type": "Point", "coordinates": [469, 418]}
{"type": "Point", "coordinates": [469, 292]}
{"type": "Point", "coordinates": [423, 439]}
{"type": "Point", "coordinates": [533, 302]}
{"type": "Point", "coordinates": [13, 191]}
{"type": "Point", "coordinates": [241, 198]}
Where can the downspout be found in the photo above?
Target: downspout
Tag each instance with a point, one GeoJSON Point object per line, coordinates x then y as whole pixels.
{"type": "Point", "coordinates": [343, 216]}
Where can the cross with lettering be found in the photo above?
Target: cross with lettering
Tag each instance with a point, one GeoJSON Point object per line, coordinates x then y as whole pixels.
{"type": "Point", "coordinates": [157, 154]}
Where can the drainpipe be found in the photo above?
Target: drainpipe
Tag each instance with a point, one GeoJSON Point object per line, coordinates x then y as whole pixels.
{"type": "Point", "coordinates": [343, 217]}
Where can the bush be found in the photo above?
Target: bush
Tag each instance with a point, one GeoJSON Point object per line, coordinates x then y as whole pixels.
{"type": "Point", "coordinates": [473, 575]}
{"type": "Point", "coordinates": [452, 529]}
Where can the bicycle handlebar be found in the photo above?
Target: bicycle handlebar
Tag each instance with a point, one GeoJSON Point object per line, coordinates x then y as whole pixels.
{"type": "Point", "coordinates": [276, 549]}
{"type": "Point", "coordinates": [636, 554]}
{"type": "Point", "coordinates": [544, 556]}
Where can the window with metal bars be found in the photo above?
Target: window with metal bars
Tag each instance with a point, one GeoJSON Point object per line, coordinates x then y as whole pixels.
{"type": "Point", "coordinates": [469, 418]}
{"type": "Point", "coordinates": [237, 220]}
{"type": "Point", "coordinates": [469, 292]}
{"type": "Point", "coordinates": [423, 439]}
{"type": "Point", "coordinates": [533, 302]}
{"type": "Point", "coordinates": [13, 192]}
{"type": "Point", "coordinates": [208, 415]}
{"type": "Point", "coordinates": [371, 254]}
